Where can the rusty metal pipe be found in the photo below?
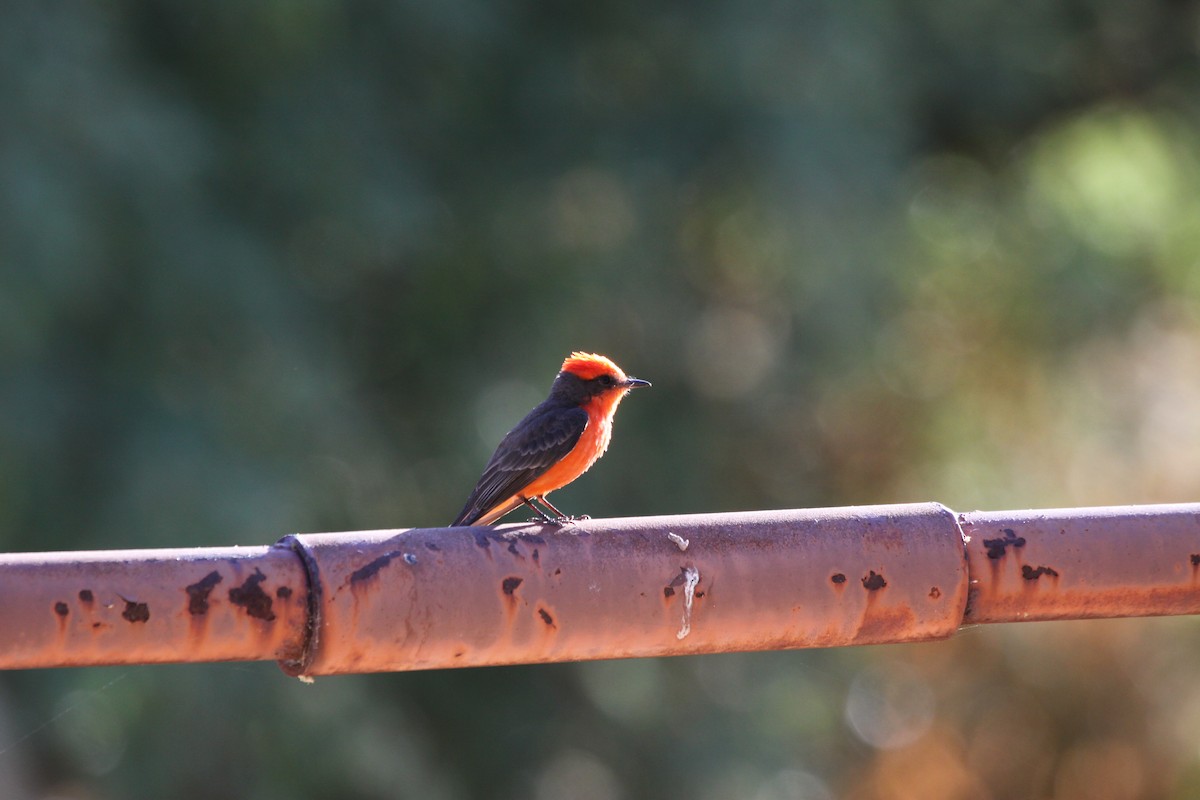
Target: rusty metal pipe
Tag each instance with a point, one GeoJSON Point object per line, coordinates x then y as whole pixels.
{"type": "Point", "coordinates": [444, 597]}
{"type": "Point", "coordinates": [1076, 563]}
{"type": "Point", "coordinates": [152, 606]}
{"type": "Point", "coordinates": [648, 586]}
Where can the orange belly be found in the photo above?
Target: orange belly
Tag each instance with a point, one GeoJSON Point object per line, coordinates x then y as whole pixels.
{"type": "Point", "coordinates": [591, 445]}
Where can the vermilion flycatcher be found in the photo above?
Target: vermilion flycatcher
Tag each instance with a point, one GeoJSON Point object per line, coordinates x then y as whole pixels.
{"type": "Point", "coordinates": [555, 443]}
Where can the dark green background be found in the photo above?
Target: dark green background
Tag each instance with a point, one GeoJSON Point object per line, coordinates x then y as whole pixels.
{"type": "Point", "coordinates": [296, 266]}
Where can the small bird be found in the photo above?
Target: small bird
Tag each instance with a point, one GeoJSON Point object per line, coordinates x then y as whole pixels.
{"type": "Point", "coordinates": [556, 442]}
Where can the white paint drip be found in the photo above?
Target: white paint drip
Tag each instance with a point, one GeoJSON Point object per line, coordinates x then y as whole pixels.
{"type": "Point", "coordinates": [691, 577]}
{"type": "Point", "coordinates": [681, 542]}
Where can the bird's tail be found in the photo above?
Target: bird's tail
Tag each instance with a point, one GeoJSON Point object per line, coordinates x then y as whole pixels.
{"type": "Point", "coordinates": [471, 515]}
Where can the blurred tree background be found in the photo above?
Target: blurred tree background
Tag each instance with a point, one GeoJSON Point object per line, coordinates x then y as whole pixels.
{"type": "Point", "coordinates": [270, 267]}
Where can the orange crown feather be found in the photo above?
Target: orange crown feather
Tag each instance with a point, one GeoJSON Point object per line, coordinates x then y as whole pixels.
{"type": "Point", "coordinates": [590, 365]}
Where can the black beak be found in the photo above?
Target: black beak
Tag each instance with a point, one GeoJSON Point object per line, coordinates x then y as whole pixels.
{"type": "Point", "coordinates": [634, 383]}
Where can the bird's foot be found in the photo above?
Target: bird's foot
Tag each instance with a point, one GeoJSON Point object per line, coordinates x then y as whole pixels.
{"type": "Point", "coordinates": [559, 522]}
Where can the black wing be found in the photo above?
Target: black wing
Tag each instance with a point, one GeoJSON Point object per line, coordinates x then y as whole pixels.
{"type": "Point", "coordinates": [537, 443]}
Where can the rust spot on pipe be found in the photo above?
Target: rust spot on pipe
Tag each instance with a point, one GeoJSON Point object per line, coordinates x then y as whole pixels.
{"type": "Point", "coordinates": [838, 578]}
{"type": "Point", "coordinates": [935, 593]}
{"type": "Point", "coordinates": [371, 569]}
{"type": "Point", "coordinates": [536, 557]}
{"type": "Point", "coordinates": [199, 591]}
{"type": "Point", "coordinates": [508, 587]}
{"type": "Point", "coordinates": [432, 546]}
{"type": "Point", "coordinates": [997, 547]}
{"type": "Point", "coordinates": [884, 624]}
{"type": "Point", "coordinates": [481, 540]}
{"type": "Point", "coordinates": [873, 581]}
{"type": "Point", "coordinates": [1196, 559]}
{"type": "Point", "coordinates": [85, 596]}
{"type": "Point", "coordinates": [61, 608]}
{"type": "Point", "coordinates": [250, 596]}
{"type": "Point", "coordinates": [135, 611]}
{"type": "Point", "coordinates": [546, 618]}
{"type": "Point", "coordinates": [1032, 574]}
{"type": "Point", "coordinates": [284, 592]}
{"type": "Point", "coordinates": [668, 591]}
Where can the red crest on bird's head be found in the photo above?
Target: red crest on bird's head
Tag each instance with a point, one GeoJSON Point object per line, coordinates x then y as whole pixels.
{"type": "Point", "coordinates": [590, 365]}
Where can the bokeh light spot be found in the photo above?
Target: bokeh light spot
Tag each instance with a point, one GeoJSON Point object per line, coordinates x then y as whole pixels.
{"type": "Point", "coordinates": [889, 706]}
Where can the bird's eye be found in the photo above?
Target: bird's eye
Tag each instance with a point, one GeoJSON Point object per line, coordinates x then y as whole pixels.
{"type": "Point", "coordinates": [606, 380]}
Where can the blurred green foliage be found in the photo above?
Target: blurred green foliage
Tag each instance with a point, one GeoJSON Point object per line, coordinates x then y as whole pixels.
{"type": "Point", "coordinates": [270, 267]}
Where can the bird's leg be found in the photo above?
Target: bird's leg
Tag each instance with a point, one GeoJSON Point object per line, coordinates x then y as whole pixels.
{"type": "Point", "coordinates": [561, 516]}
{"type": "Point", "coordinates": [541, 515]}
